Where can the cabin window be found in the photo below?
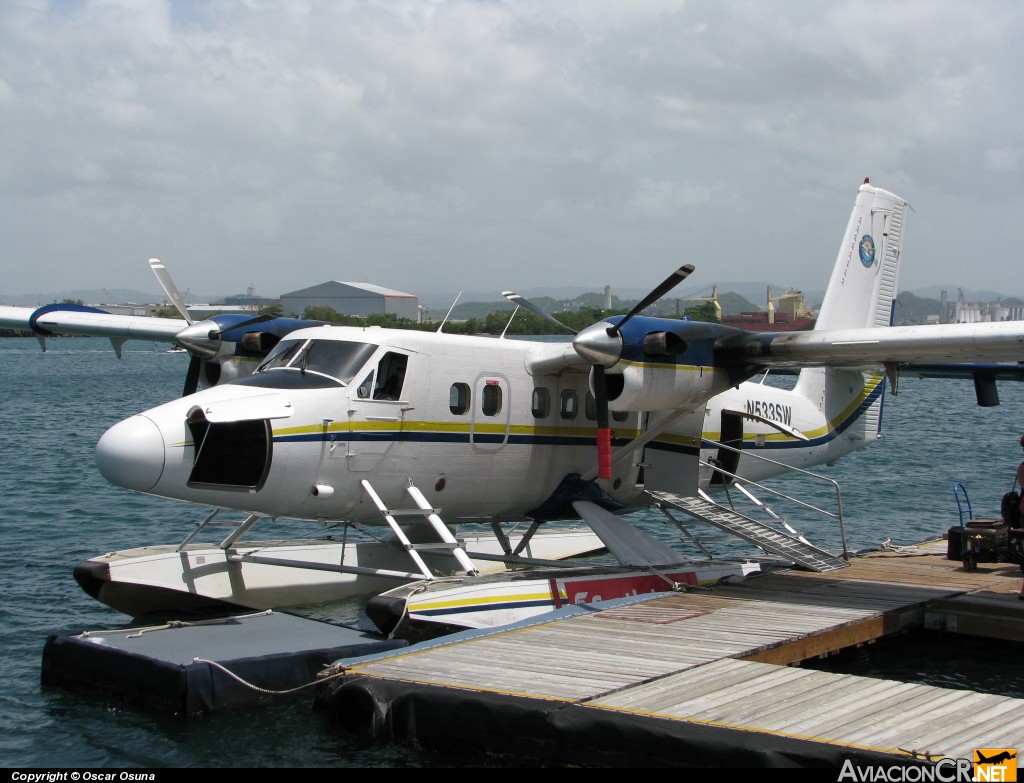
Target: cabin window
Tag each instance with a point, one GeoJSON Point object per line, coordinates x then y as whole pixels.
{"type": "Point", "coordinates": [458, 398]}
{"type": "Point", "coordinates": [491, 402]}
{"type": "Point", "coordinates": [590, 407]}
{"type": "Point", "coordinates": [568, 404]}
{"type": "Point", "coordinates": [540, 405]}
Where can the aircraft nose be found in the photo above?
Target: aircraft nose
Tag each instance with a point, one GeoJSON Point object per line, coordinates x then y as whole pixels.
{"type": "Point", "coordinates": [131, 454]}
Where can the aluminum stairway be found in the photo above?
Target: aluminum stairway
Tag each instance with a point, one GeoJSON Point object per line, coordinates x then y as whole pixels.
{"type": "Point", "coordinates": [757, 533]}
{"type": "Point", "coordinates": [447, 542]}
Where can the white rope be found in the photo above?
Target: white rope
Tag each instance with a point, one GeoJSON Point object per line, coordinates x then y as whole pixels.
{"type": "Point", "coordinates": [340, 673]}
{"type": "Point", "coordinates": [891, 547]}
{"type": "Point", "coordinates": [233, 620]}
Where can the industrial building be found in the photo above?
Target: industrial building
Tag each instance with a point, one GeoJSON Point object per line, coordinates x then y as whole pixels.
{"type": "Point", "coordinates": [963, 312]}
{"type": "Point", "coordinates": [352, 299]}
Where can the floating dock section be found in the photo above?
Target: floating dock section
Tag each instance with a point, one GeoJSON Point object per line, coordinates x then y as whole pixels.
{"type": "Point", "coordinates": [192, 668]}
{"type": "Point", "coordinates": [709, 678]}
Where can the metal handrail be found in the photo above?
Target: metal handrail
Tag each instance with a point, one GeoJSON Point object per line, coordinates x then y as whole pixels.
{"type": "Point", "coordinates": [959, 489]}
{"type": "Point", "coordinates": [835, 485]}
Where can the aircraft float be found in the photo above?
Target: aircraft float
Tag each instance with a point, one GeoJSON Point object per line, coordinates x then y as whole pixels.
{"type": "Point", "coordinates": [426, 433]}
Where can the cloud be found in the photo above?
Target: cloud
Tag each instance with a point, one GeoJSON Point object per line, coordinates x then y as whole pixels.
{"type": "Point", "coordinates": [439, 146]}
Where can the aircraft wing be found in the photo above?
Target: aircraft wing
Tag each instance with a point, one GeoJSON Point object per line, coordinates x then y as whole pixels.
{"type": "Point", "coordinates": [89, 322]}
{"type": "Point", "coordinates": [15, 317]}
{"type": "Point", "coordinates": [873, 347]}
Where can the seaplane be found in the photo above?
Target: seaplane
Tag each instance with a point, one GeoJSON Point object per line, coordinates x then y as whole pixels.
{"type": "Point", "coordinates": [468, 452]}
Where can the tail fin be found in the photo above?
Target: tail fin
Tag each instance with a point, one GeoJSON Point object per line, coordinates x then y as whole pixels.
{"type": "Point", "coordinates": [862, 288]}
{"type": "Point", "coordinates": [860, 294]}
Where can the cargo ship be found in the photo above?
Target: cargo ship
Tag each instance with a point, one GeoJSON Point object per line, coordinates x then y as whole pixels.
{"type": "Point", "coordinates": [790, 315]}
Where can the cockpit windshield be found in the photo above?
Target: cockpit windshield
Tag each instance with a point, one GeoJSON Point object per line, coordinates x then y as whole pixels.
{"type": "Point", "coordinates": [283, 353]}
{"type": "Point", "coordinates": [338, 359]}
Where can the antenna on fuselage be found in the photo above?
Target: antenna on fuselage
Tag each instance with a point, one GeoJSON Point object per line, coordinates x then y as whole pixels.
{"type": "Point", "coordinates": [443, 322]}
{"type": "Point", "coordinates": [510, 321]}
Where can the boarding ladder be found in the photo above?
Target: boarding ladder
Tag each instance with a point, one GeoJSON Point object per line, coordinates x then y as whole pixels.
{"type": "Point", "coordinates": [448, 542]}
{"type": "Point", "coordinates": [767, 538]}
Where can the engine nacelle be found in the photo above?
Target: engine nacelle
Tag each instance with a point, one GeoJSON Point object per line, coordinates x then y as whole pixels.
{"type": "Point", "coordinates": [651, 387]}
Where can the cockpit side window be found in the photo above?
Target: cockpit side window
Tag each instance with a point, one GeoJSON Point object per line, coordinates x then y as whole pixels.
{"type": "Point", "coordinates": [390, 376]}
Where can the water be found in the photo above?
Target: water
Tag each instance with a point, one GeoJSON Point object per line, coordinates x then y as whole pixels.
{"type": "Point", "coordinates": [57, 510]}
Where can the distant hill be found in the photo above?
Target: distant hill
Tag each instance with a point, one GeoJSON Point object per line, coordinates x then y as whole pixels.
{"type": "Point", "coordinates": [733, 304]}
{"type": "Point", "coordinates": [913, 309]}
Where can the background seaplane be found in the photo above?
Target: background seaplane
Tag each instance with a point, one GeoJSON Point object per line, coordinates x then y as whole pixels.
{"type": "Point", "coordinates": [424, 433]}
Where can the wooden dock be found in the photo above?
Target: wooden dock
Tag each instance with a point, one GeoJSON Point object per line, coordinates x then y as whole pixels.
{"type": "Point", "coordinates": [709, 678]}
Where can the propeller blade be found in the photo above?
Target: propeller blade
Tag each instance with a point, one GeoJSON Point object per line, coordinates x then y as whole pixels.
{"type": "Point", "coordinates": [669, 283]}
{"type": "Point", "coordinates": [604, 433]}
{"type": "Point", "coordinates": [170, 289]}
{"type": "Point", "coordinates": [192, 376]}
{"type": "Point", "coordinates": [512, 296]}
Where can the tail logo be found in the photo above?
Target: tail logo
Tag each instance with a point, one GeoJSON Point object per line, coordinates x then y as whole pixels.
{"type": "Point", "coordinates": [867, 250]}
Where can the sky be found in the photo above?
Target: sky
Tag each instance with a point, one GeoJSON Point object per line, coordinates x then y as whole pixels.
{"type": "Point", "coordinates": [435, 146]}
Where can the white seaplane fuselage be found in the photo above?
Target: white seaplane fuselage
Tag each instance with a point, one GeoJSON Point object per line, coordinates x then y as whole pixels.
{"type": "Point", "coordinates": [479, 435]}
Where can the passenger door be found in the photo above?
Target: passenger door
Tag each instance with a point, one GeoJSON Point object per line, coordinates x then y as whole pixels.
{"type": "Point", "coordinates": [378, 401]}
{"type": "Point", "coordinates": [491, 415]}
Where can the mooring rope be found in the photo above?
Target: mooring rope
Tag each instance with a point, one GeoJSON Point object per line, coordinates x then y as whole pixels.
{"type": "Point", "coordinates": [340, 673]}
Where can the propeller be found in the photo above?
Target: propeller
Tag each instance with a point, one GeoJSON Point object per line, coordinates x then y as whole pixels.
{"type": "Point", "coordinates": [602, 346]}
{"type": "Point", "coordinates": [164, 278]}
{"type": "Point", "coordinates": [667, 285]}
{"type": "Point", "coordinates": [189, 338]}
{"type": "Point", "coordinates": [512, 296]}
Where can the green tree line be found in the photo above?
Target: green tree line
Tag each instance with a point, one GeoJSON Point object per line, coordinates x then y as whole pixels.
{"type": "Point", "coordinates": [522, 323]}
